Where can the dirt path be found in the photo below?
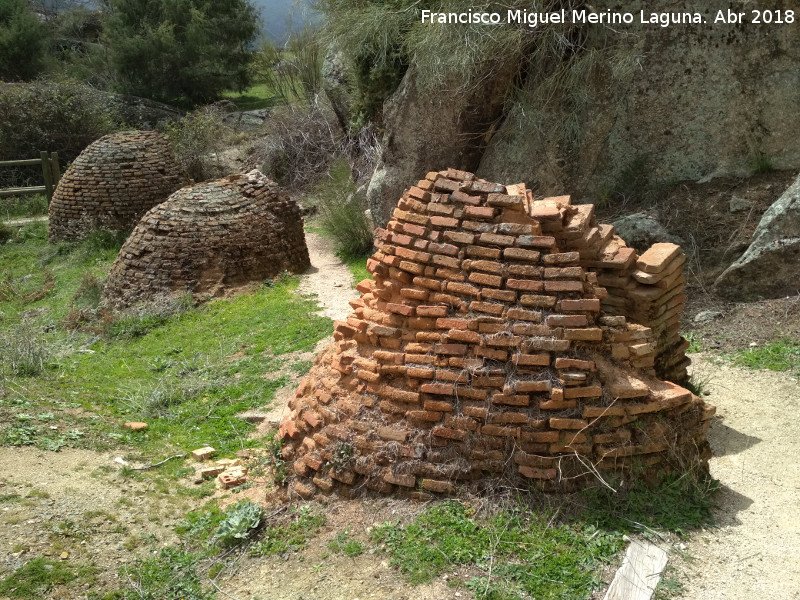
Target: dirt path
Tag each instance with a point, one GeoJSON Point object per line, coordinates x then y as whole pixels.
{"type": "Point", "coordinates": [328, 278]}
{"type": "Point", "coordinates": [753, 553]}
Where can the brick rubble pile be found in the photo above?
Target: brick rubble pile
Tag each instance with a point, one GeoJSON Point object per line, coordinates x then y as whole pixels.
{"type": "Point", "coordinates": [209, 238]}
{"type": "Point", "coordinates": [502, 339]}
{"type": "Point", "coordinates": [112, 183]}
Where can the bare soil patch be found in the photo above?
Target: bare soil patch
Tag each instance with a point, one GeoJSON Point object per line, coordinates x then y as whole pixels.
{"type": "Point", "coordinates": [752, 553]}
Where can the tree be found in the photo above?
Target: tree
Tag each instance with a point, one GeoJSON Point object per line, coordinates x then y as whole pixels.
{"type": "Point", "coordinates": [181, 50]}
{"type": "Point", "coordinates": [22, 42]}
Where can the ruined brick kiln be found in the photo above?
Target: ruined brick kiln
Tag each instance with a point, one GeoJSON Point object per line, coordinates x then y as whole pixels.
{"type": "Point", "coordinates": [112, 183]}
{"type": "Point", "coordinates": [502, 339]}
{"type": "Point", "coordinates": [209, 238]}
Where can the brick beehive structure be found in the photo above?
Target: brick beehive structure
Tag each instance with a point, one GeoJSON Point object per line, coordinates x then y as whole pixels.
{"type": "Point", "coordinates": [209, 238]}
{"type": "Point", "coordinates": [487, 349]}
{"type": "Point", "coordinates": [112, 183]}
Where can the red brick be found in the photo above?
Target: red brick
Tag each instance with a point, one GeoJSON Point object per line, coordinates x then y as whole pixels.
{"type": "Point", "coordinates": [532, 386]}
{"type": "Point", "coordinates": [494, 239]}
{"type": "Point", "coordinates": [441, 209]}
{"type": "Point", "coordinates": [392, 434]}
{"type": "Point", "coordinates": [451, 349]}
{"type": "Point", "coordinates": [511, 400]}
{"type": "Point", "coordinates": [432, 311]}
{"type": "Point", "coordinates": [480, 212]}
{"type": "Point", "coordinates": [446, 261]}
{"type": "Point", "coordinates": [537, 241]}
{"type": "Point", "coordinates": [531, 360]}
{"type": "Point", "coordinates": [521, 254]}
{"type": "Point", "coordinates": [507, 418]}
{"type": "Point", "coordinates": [490, 266]}
{"type": "Point", "coordinates": [592, 334]}
{"type": "Point", "coordinates": [440, 248]}
{"type": "Point", "coordinates": [491, 353]}
{"type": "Point", "coordinates": [563, 286]}
{"type": "Point", "coordinates": [439, 221]}
{"type": "Point", "coordinates": [538, 301]}
{"type": "Point", "coordinates": [587, 304]}
{"type": "Point", "coordinates": [402, 479]}
{"type": "Point", "coordinates": [574, 363]}
{"type": "Point", "coordinates": [450, 434]}
{"type": "Point", "coordinates": [483, 252]}
{"type": "Point", "coordinates": [440, 487]}
{"type": "Point", "coordinates": [501, 295]}
{"type": "Point", "coordinates": [449, 323]}
{"type": "Point", "coordinates": [504, 200]}
{"type": "Point", "coordinates": [485, 279]}
{"type": "Point", "coordinates": [536, 473]}
{"type": "Point", "coordinates": [445, 389]}
{"type": "Point", "coordinates": [464, 423]}
{"type": "Point", "coordinates": [500, 431]}
{"type": "Point", "coordinates": [561, 258]}
{"type": "Point", "coordinates": [558, 423]}
{"type": "Point", "coordinates": [563, 272]}
{"type": "Point", "coordinates": [567, 320]}
{"type": "Point", "coordinates": [529, 285]}
{"type": "Point", "coordinates": [459, 335]}
{"type": "Point", "coordinates": [459, 237]}
{"type": "Point", "coordinates": [438, 406]}
{"type": "Point", "coordinates": [522, 314]}
{"type": "Point", "coordinates": [658, 257]}
{"type": "Point", "coordinates": [424, 415]}
{"type": "Point", "coordinates": [419, 373]}
{"type": "Point", "coordinates": [486, 307]}
{"type": "Point", "coordinates": [464, 289]}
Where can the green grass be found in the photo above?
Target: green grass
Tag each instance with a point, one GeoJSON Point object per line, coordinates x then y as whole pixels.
{"type": "Point", "coordinates": [518, 552]}
{"type": "Point", "coordinates": [293, 534]}
{"type": "Point", "coordinates": [781, 355]}
{"type": "Point", "coordinates": [37, 577]}
{"type": "Point", "coordinates": [343, 543]}
{"type": "Point", "coordinates": [186, 374]}
{"type": "Point", "coordinates": [18, 207]}
{"type": "Point", "coordinates": [678, 504]}
{"type": "Point", "coordinates": [358, 267]}
{"type": "Point", "coordinates": [255, 97]}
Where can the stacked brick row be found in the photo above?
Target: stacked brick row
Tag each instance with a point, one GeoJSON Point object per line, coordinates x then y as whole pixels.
{"type": "Point", "coordinates": [112, 183]}
{"type": "Point", "coordinates": [647, 289]}
{"type": "Point", "coordinates": [479, 354]}
{"type": "Point", "coordinates": [209, 238]}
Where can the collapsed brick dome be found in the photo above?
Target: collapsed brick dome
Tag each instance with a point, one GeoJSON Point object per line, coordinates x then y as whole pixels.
{"type": "Point", "coordinates": [208, 238]}
{"type": "Point", "coordinates": [112, 183]}
{"type": "Point", "coordinates": [502, 339]}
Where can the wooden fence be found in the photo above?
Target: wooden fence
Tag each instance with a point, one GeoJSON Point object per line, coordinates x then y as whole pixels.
{"type": "Point", "coordinates": [50, 171]}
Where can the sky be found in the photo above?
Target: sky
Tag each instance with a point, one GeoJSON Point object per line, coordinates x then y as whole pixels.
{"type": "Point", "coordinates": [278, 16]}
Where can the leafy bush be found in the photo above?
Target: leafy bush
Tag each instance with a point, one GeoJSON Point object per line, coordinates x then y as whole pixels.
{"type": "Point", "coordinates": [182, 50]}
{"type": "Point", "coordinates": [342, 212]}
{"type": "Point", "coordinates": [62, 117]}
{"type": "Point", "coordinates": [22, 42]}
{"type": "Point", "coordinates": [197, 139]}
{"type": "Point", "coordinates": [239, 522]}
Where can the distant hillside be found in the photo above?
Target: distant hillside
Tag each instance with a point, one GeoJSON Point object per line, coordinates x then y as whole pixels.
{"type": "Point", "coordinates": [282, 16]}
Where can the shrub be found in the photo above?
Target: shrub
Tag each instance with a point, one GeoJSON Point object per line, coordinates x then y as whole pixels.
{"type": "Point", "coordinates": [22, 42]}
{"type": "Point", "coordinates": [6, 233]}
{"type": "Point", "coordinates": [64, 117]}
{"type": "Point", "coordinates": [297, 76]}
{"type": "Point", "coordinates": [299, 143]}
{"type": "Point", "coordinates": [342, 212]}
{"type": "Point", "coordinates": [24, 351]}
{"type": "Point", "coordinates": [197, 139]}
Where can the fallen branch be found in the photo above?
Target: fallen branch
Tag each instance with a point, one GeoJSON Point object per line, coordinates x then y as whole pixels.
{"type": "Point", "coordinates": [158, 464]}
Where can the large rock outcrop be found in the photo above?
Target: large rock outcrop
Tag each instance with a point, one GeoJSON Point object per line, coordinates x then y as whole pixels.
{"type": "Point", "coordinates": [681, 102]}
{"type": "Point", "coordinates": [112, 183]}
{"type": "Point", "coordinates": [770, 267]}
{"type": "Point", "coordinates": [485, 351]}
{"type": "Point", "coordinates": [209, 238]}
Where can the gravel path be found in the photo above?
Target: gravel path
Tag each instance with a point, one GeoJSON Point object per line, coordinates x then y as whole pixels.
{"type": "Point", "coordinates": [753, 553]}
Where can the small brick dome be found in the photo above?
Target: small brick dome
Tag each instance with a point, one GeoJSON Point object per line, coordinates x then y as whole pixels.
{"type": "Point", "coordinates": [209, 238]}
{"type": "Point", "coordinates": [112, 183]}
{"type": "Point", "coordinates": [502, 340]}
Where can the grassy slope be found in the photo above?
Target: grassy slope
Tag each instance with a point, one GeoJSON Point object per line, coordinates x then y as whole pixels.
{"type": "Point", "coordinates": [187, 375]}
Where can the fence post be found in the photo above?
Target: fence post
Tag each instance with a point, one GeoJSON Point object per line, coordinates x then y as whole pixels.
{"type": "Point", "coordinates": [48, 180]}
{"type": "Point", "coordinates": [55, 170]}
